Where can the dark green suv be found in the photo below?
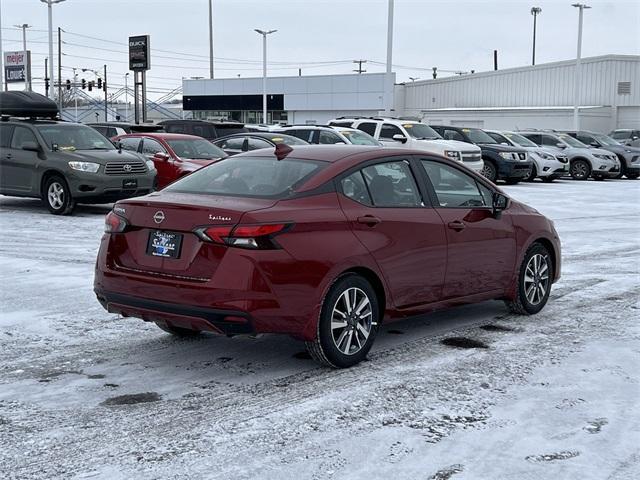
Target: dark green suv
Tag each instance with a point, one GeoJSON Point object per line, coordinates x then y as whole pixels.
{"type": "Point", "coordinates": [64, 163]}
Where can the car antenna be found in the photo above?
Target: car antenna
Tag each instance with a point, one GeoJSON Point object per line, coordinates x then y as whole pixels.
{"type": "Point", "coordinates": [282, 150]}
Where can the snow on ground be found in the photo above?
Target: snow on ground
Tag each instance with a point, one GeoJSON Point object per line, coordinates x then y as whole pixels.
{"type": "Point", "coordinates": [86, 394]}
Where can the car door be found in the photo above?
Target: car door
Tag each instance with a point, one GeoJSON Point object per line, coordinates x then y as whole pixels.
{"type": "Point", "coordinates": [164, 163]}
{"type": "Point", "coordinates": [20, 165]}
{"type": "Point", "coordinates": [481, 247]}
{"type": "Point", "coordinates": [405, 236]}
{"type": "Point", "coordinates": [387, 131]}
{"type": "Point", "coordinates": [6, 131]}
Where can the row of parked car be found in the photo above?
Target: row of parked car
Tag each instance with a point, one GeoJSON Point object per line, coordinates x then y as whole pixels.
{"type": "Point", "coordinates": [104, 162]}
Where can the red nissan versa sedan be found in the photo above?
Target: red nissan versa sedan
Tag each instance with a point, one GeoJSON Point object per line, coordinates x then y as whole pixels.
{"type": "Point", "coordinates": [174, 154]}
{"type": "Point", "coordinates": [322, 243]}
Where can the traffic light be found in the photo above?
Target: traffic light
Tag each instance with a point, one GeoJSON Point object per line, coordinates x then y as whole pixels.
{"type": "Point", "coordinates": [91, 85]}
{"type": "Point", "coordinates": [84, 84]}
{"type": "Point", "coordinates": [46, 83]}
{"type": "Point", "coordinates": [68, 83]}
{"type": "Point", "coordinates": [99, 84]}
{"type": "Point", "coordinates": [104, 85]}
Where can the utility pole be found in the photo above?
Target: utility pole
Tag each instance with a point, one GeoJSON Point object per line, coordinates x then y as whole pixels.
{"type": "Point", "coordinates": [126, 97]}
{"type": "Point", "coordinates": [75, 92]}
{"type": "Point", "coordinates": [576, 89]}
{"type": "Point", "coordinates": [435, 72]}
{"type": "Point", "coordinates": [359, 69]}
{"type": "Point", "coordinates": [60, 70]}
{"type": "Point", "coordinates": [210, 39]}
{"type": "Point", "coordinates": [388, 89]}
{"type": "Point", "coordinates": [46, 79]}
{"type": "Point", "coordinates": [264, 34]}
{"type": "Point", "coordinates": [27, 81]}
{"type": "Point", "coordinates": [495, 59]}
{"type": "Point", "coordinates": [535, 11]}
{"type": "Point", "coordinates": [50, 16]}
{"type": "Point", "coordinates": [104, 86]}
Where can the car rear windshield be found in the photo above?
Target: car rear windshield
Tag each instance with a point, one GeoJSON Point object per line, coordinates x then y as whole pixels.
{"type": "Point", "coordinates": [223, 130]}
{"type": "Point", "coordinates": [356, 137]}
{"type": "Point", "coordinates": [258, 177]}
{"type": "Point", "coordinates": [195, 148]}
{"type": "Point", "coordinates": [71, 137]}
{"type": "Point", "coordinates": [421, 131]}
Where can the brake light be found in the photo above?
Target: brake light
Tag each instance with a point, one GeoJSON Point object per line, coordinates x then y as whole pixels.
{"type": "Point", "coordinates": [244, 236]}
{"type": "Point", "coordinates": [114, 223]}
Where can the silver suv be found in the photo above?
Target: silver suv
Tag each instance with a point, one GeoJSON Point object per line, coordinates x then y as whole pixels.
{"type": "Point", "coordinates": [584, 161]}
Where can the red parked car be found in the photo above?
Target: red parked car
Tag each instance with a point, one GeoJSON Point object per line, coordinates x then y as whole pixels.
{"type": "Point", "coordinates": [174, 155]}
{"type": "Point", "coordinates": [323, 243]}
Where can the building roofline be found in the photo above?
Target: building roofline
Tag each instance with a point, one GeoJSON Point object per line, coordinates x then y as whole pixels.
{"type": "Point", "coordinates": [528, 68]}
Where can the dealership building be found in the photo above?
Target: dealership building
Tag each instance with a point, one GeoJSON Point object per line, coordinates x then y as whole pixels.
{"type": "Point", "coordinates": [539, 96]}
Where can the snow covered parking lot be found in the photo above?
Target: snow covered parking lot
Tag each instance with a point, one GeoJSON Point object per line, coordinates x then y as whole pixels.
{"type": "Point", "coordinates": [87, 394]}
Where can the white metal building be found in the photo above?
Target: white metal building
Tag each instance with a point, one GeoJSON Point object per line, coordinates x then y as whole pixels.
{"type": "Point", "coordinates": [539, 96]}
{"type": "Point", "coordinates": [308, 99]}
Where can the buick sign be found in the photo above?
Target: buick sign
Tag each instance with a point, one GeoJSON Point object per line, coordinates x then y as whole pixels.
{"type": "Point", "coordinates": [139, 53]}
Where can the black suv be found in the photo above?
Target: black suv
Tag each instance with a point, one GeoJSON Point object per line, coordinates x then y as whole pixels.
{"type": "Point", "coordinates": [629, 156]}
{"type": "Point", "coordinates": [501, 162]}
{"type": "Point", "coordinates": [203, 128]}
{"type": "Point", "coordinates": [62, 162]}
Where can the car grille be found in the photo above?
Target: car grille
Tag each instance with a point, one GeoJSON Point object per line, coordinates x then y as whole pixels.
{"type": "Point", "coordinates": [125, 168]}
{"type": "Point", "coordinates": [471, 156]}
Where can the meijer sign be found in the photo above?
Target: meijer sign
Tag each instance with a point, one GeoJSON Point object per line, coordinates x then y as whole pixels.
{"type": "Point", "coordinates": [16, 66]}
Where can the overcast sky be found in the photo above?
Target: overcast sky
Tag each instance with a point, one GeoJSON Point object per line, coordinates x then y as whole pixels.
{"type": "Point", "coordinates": [451, 35]}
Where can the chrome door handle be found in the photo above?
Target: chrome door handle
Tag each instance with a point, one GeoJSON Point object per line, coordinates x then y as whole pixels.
{"type": "Point", "coordinates": [457, 225]}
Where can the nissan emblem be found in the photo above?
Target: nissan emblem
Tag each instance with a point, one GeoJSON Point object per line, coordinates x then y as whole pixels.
{"type": "Point", "coordinates": [158, 217]}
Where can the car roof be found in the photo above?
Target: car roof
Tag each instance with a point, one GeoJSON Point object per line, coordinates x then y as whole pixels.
{"type": "Point", "coordinates": [265, 135]}
{"type": "Point", "coordinates": [161, 136]}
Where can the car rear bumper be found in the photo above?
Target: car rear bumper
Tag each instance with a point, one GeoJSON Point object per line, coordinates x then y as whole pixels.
{"type": "Point", "coordinates": [225, 322]}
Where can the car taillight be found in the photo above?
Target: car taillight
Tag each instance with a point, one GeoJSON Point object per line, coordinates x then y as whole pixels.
{"type": "Point", "coordinates": [244, 236]}
{"type": "Point", "coordinates": [114, 223]}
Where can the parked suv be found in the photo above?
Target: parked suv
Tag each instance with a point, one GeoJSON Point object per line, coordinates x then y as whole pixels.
{"type": "Point", "coordinates": [584, 162]}
{"type": "Point", "coordinates": [64, 163]}
{"type": "Point", "coordinates": [203, 128]}
{"type": "Point", "coordinates": [113, 129]}
{"type": "Point", "coordinates": [329, 135]}
{"type": "Point", "coordinates": [630, 137]}
{"type": "Point", "coordinates": [501, 162]}
{"type": "Point", "coordinates": [629, 157]}
{"type": "Point", "coordinates": [394, 132]}
{"type": "Point", "coordinates": [547, 165]}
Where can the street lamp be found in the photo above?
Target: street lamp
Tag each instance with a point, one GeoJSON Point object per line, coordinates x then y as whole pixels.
{"type": "Point", "coordinates": [413, 79]}
{"type": "Point", "coordinates": [49, 3]}
{"type": "Point", "coordinates": [210, 40]}
{"type": "Point", "coordinates": [264, 34]}
{"type": "Point", "coordinates": [576, 90]}
{"type": "Point", "coordinates": [535, 11]}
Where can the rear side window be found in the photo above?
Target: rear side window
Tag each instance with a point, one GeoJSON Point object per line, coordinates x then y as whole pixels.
{"type": "Point", "coordinates": [328, 138]}
{"type": "Point", "coordinates": [354, 188]}
{"type": "Point", "coordinates": [305, 135]}
{"type": "Point", "coordinates": [5, 135]}
{"type": "Point", "coordinates": [448, 134]}
{"type": "Point", "coordinates": [534, 137]}
{"type": "Point", "coordinates": [175, 128]}
{"type": "Point", "coordinates": [549, 140]}
{"type": "Point", "coordinates": [260, 177]}
{"type": "Point", "coordinates": [130, 144]}
{"type": "Point", "coordinates": [234, 143]}
{"type": "Point", "coordinates": [620, 135]}
{"type": "Point", "coordinates": [391, 184]}
{"type": "Point", "coordinates": [258, 143]}
{"type": "Point", "coordinates": [368, 127]}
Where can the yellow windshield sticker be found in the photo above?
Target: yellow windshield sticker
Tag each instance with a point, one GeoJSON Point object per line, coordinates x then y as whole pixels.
{"type": "Point", "coordinates": [70, 148]}
{"type": "Point", "coordinates": [408, 125]}
{"type": "Point", "coordinates": [277, 139]}
{"type": "Point", "coordinates": [466, 130]}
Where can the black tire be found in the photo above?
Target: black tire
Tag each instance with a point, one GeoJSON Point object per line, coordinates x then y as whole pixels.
{"type": "Point", "coordinates": [489, 171]}
{"type": "Point", "coordinates": [580, 170]}
{"type": "Point", "coordinates": [57, 196]}
{"type": "Point", "coordinates": [533, 173]}
{"type": "Point", "coordinates": [523, 304]}
{"type": "Point", "coordinates": [632, 176]}
{"type": "Point", "coordinates": [324, 348]}
{"type": "Point", "coordinates": [548, 179]}
{"type": "Point", "coordinates": [177, 331]}
{"type": "Point", "coordinates": [512, 181]}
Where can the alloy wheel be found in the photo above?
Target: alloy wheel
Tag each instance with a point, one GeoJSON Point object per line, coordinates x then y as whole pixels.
{"type": "Point", "coordinates": [580, 170]}
{"type": "Point", "coordinates": [351, 321]}
{"type": "Point", "coordinates": [55, 195]}
{"type": "Point", "coordinates": [536, 279]}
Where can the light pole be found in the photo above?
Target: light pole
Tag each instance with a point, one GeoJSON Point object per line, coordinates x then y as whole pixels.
{"type": "Point", "coordinates": [27, 82]}
{"type": "Point", "coordinates": [535, 11]}
{"type": "Point", "coordinates": [50, 14]}
{"type": "Point", "coordinates": [413, 79]}
{"type": "Point", "coordinates": [75, 92]}
{"type": "Point", "coordinates": [126, 97]}
{"type": "Point", "coordinates": [210, 39]}
{"type": "Point", "coordinates": [576, 89]}
{"type": "Point", "coordinates": [388, 89]}
{"type": "Point", "coordinates": [264, 34]}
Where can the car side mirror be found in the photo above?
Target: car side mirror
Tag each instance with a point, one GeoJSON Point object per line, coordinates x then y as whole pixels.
{"type": "Point", "coordinates": [400, 138]}
{"type": "Point", "coordinates": [561, 145]}
{"type": "Point", "coordinates": [500, 203]}
{"type": "Point", "coordinates": [31, 146]}
{"type": "Point", "coordinates": [161, 156]}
